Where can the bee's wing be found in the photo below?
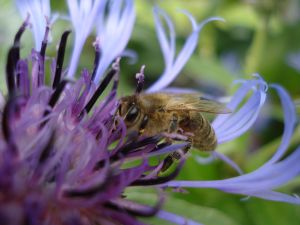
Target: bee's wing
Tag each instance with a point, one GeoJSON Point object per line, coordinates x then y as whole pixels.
{"type": "Point", "coordinates": [194, 102]}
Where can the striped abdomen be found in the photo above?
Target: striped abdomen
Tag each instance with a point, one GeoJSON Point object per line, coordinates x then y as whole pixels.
{"type": "Point", "coordinates": [204, 135]}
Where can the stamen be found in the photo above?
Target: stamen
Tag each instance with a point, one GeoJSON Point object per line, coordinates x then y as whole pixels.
{"type": "Point", "coordinates": [86, 193]}
{"type": "Point", "coordinates": [162, 145]}
{"type": "Point", "coordinates": [112, 95]}
{"type": "Point", "coordinates": [54, 98]}
{"type": "Point", "coordinates": [134, 145]}
{"type": "Point", "coordinates": [6, 119]}
{"type": "Point", "coordinates": [90, 191]}
{"type": "Point", "coordinates": [159, 180]}
{"type": "Point", "coordinates": [21, 31]}
{"type": "Point", "coordinates": [114, 71]}
{"type": "Point", "coordinates": [45, 153]}
{"type": "Point", "coordinates": [41, 57]}
{"type": "Point", "coordinates": [22, 78]}
{"type": "Point", "coordinates": [57, 93]}
{"type": "Point", "coordinates": [45, 40]}
{"type": "Point", "coordinates": [136, 209]}
{"type": "Point", "coordinates": [13, 58]}
{"type": "Point", "coordinates": [140, 79]}
{"type": "Point", "coordinates": [127, 148]}
{"type": "Point", "coordinates": [8, 112]}
{"type": "Point", "coordinates": [60, 58]}
{"type": "Point", "coordinates": [116, 80]}
{"type": "Point", "coordinates": [98, 54]}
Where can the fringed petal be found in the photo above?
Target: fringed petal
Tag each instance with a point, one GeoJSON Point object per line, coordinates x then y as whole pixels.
{"type": "Point", "coordinates": [273, 174]}
{"type": "Point", "coordinates": [227, 160]}
{"type": "Point", "coordinates": [230, 126]}
{"type": "Point", "coordinates": [173, 65]}
{"type": "Point", "coordinates": [113, 33]}
{"type": "Point", "coordinates": [289, 122]}
{"type": "Point", "coordinates": [189, 47]}
{"type": "Point", "coordinates": [40, 12]}
{"type": "Point", "coordinates": [83, 14]}
{"type": "Point", "coordinates": [167, 45]}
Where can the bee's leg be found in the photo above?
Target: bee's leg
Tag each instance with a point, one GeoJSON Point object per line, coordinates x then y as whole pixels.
{"type": "Point", "coordinates": [169, 160]}
{"type": "Point", "coordinates": [167, 163]}
{"type": "Point", "coordinates": [174, 123]}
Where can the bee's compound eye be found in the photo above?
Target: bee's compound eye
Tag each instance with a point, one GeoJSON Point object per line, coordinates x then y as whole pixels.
{"type": "Point", "coordinates": [132, 114]}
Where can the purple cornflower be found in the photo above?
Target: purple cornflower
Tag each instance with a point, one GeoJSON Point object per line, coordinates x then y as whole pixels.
{"type": "Point", "coordinates": [66, 157]}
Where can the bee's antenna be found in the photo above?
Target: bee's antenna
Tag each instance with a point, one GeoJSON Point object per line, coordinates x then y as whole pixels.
{"type": "Point", "coordinates": [140, 80]}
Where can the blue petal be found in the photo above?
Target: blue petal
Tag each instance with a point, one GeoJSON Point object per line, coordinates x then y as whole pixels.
{"type": "Point", "coordinates": [230, 126]}
{"type": "Point", "coordinates": [289, 122]}
{"type": "Point", "coordinates": [258, 183]}
{"type": "Point", "coordinates": [113, 32]}
{"type": "Point", "coordinates": [174, 218]}
{"type": "Point", "coordinates": [173, 65]}
{"type": "Point", "coordinates": [279, 197]}
{"type": "Point", "coordinates": [39, 12]}
{"type": "Point", "coordinates": [83, 15]}
{"type": "Point", "coordinates": [273, 174]}
{"type": "Point", "coordinates": [167, 45]}
{"type": "Point", "coordinates": [227, 160]}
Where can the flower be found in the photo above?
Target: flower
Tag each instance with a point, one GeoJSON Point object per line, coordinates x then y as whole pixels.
{"type": "Point", "coordinates": [273, 174]}
{"type": "Point", "coordinates": [66, 157]}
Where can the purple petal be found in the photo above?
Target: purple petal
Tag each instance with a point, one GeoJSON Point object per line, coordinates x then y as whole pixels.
{"type": "Point", "coordinates": [23, 73]}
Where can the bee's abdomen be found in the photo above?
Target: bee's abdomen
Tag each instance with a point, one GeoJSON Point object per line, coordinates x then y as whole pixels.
{"type": "Point", "coordinates": [204, 137]}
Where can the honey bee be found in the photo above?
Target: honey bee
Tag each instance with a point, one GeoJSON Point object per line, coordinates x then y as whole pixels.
{"type": "Point", "coordinates": [151, 114]}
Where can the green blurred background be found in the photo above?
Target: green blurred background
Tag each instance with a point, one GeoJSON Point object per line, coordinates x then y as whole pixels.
{"type": "Point", "coordinates": [258, 36]}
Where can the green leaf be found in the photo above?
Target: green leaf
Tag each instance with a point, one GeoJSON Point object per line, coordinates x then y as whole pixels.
{"type": "Point", "coordinates": [200, 214]}
{"type": "Point", "coordinates": [268, 150]}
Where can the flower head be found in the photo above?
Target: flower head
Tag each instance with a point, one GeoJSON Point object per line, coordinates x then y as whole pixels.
{"type": "Point", "coordinates": [65, 159]}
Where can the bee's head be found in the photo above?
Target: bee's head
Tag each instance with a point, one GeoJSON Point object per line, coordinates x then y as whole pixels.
{"type": "Point", "coordinates": [128, 109]}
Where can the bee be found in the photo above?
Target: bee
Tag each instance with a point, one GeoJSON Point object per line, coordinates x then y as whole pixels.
{"type": "Point", "coordinates": [154, 113]}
